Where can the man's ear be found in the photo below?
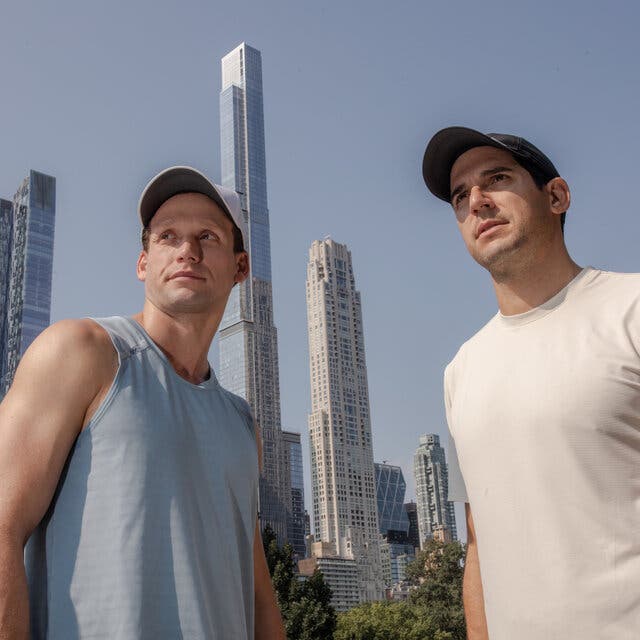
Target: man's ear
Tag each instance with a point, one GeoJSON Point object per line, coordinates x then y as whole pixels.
{"type": "Point", "coordinates": [141, 266]}
{"type": "Point", "coordinates": [242, 267]}
{"type": "Point", "coordinates": [559, 195]}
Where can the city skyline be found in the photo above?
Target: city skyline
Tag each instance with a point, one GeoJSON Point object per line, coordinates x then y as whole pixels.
{"type": "Point", "coordinates": [345, 126]}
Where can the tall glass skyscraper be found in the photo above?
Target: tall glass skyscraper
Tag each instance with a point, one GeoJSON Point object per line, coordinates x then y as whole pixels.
{"type": "Point", "coordinates": [390, 489]}
{"type": "Point", "coordinates": [432, 482]}
{"type": "Point", "coordinates": [248, 337]}
{"type": "Point", "coordinates": [342, 473]}
{"type": "Point", "coordinates": [296, 518]}
{"type": "Point", "coordinates": [26, 263]}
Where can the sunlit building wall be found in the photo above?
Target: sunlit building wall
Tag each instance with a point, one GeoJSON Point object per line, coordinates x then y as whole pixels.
{"type": "Point", "coordinates": [342, 473]}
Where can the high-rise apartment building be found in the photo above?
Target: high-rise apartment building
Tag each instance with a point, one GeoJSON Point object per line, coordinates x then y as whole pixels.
{"type": "Point", "coordinates": [27, 226]}
{"type": "Point", "coordinates": [248, 337]}
{"type": "Point", "coordinates": [431, 477]}
{"type": "Point", "coordinates": [296, 527]}
{"type": "Point", "coordinates": [343, 480]}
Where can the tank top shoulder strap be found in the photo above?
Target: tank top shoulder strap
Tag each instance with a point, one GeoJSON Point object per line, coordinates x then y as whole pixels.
{"type": "Point", "coordinates": [124, 334]}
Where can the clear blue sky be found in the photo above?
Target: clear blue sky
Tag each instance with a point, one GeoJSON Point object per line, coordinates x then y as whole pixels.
{"type": "Point", "coordinates": [103, 95]}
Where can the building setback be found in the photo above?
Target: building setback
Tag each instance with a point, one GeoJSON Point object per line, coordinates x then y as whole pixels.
{"type": "Point", "coordinates": [435, 512]}
{"type": "Point", "coordinates": [342, 473]}
{"type": "Point", "coordinates": [27, 226]}
{"type": "Point", "coordinates": [248, 337]}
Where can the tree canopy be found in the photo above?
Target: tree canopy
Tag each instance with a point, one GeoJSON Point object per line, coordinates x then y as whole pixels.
{"type": "Point", "coordinates": [305, 604]}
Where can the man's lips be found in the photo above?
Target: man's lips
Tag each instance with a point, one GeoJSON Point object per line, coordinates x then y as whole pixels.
{"type": "Point", "coordinates": [486, 225]}
{"type": "Point", "coordinates": [186, 274]}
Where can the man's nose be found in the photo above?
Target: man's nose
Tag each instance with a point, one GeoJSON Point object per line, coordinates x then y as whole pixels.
{"type": "Point", "coordinates": [479, 200]}
{"type": "Point", "coordinates": [190, 250]}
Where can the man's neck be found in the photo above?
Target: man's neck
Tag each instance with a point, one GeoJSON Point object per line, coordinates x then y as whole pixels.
{"type": "Point", "coordinates": [532, 285]}
{"type": "Point", "coordinates": [184, 338]}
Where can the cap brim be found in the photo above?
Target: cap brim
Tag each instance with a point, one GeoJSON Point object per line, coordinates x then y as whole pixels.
{"type": "Point", "coordinates": [443, 150]}
{"type": "Point", "coordinates": [182, 179]}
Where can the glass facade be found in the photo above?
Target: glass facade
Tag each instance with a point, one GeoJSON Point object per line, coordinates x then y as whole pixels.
{"type": "Point", "coordinates": [431, 477]}
{"type": "Point", "coordinates": [296, 517]}
{"type": "Point", "coordinates": [390, 490]}
{"type": "Point", "coordinates": [248, 337]}
{"type": "Point", "coordinates": [26, 260]}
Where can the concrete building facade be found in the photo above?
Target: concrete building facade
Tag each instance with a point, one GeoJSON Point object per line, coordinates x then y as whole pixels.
{"type": "Point", "coordinates": [342, 472]}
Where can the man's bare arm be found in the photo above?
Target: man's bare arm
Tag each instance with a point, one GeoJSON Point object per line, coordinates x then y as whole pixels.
{"type": "Point", "coordinates": [472, 595]}
{"type": "Point", "coordinates": [59, 379]}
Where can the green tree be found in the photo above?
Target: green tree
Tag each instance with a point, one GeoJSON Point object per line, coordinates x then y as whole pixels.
{"type": "Point", "coordinates": [387, 621]}
{"type": "Point", "coordinates": [305, 604]}
{"type": "Point", "coordinates": [437, 573]}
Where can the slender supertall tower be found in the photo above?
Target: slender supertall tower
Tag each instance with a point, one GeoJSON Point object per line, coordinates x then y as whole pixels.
{"type": "Point", "coordinates": [435, 512]}
{"type": "Point", "coordinates": [342, 471]}
{"type": "Point", "coordinates": [248, 337]}
{"type": "Point", "coordinates": [27, 228]}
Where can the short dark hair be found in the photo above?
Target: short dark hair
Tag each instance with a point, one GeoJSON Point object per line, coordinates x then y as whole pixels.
{"type": "Point", "coordinates": [238, 244]}
{"type": "Point", "coordinates": [540, 180]}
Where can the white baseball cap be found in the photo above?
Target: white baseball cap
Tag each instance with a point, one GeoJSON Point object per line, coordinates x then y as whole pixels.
{"type": "Point", "coordinates": [182, 179]}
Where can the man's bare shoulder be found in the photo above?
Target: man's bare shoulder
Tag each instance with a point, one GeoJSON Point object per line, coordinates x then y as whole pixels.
{"type": "Point", "coordinates": [77, 352]}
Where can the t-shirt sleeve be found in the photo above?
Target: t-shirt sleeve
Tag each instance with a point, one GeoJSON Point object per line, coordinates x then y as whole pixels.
{"type": "Point", "coordinates": [457, 491]}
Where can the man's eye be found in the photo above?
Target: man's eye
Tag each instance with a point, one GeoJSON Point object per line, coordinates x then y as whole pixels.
{"type": "Point", "coordinates": [165, 235]}
{"type": "Point", "coordinates": [208, 235]}
{"type": "Point", "coordinates": [498, 177]}
{"type": "Point", "coordinates": [459, 199]}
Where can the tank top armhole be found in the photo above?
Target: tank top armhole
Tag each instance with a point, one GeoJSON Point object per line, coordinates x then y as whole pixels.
{"type": "Point", "coordinates": [123, 352]}
{"type": "Point", "coordinates": [245, 410]}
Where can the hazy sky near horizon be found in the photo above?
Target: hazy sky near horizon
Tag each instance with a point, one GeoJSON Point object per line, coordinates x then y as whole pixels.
{"type": "Point", "coordinates": [103, 95]}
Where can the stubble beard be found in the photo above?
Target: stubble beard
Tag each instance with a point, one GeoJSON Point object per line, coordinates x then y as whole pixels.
{"type": "Point", "coordinates": [507, 258]}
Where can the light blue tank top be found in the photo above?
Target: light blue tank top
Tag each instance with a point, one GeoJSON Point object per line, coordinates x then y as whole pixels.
{"type": "Point", "coordinates": [150, 532]}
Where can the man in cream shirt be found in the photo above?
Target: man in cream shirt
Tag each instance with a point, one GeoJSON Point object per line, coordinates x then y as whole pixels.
{"type": "Point", "coordinates": [543, 406]}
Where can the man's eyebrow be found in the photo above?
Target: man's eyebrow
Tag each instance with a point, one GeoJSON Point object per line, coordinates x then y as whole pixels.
{"type": "Point", "coordinates": [167, 222]}
{"type": "Point", "coordinates": [483, 174]}
{"type": "Point", "coordinates": [488, 172]}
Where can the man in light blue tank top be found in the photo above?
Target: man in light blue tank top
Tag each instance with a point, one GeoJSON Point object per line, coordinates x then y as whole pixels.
{"type": "Point", "coordinates": [130, 474]}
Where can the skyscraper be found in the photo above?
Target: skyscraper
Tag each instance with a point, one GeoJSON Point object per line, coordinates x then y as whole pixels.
{"type": "Point", "coordinates": [393, 520]}
{"type": "Point", "coordinates": [343, 480]}
{"type": "Point", "coordinates": [296, 517]}
{"type": "Point", "coordinates": [27, 228]}
{"type": "Point", "coordinates": [411, 510]}
{"type": "Point", "coordinates": [432, 481]}
{"type": "Point", "coordinates": [248, 337]}
{"type": "Point", "coordinates": [390, 489]}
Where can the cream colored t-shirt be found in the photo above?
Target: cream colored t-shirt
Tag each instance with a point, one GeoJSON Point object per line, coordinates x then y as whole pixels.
{"type": "Point", "coordinates": [544, 411]}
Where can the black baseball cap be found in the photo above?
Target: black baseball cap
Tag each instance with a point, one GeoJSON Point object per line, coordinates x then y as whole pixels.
{"type": "Point", "coordinates": [449, 144]}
